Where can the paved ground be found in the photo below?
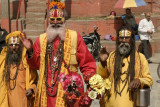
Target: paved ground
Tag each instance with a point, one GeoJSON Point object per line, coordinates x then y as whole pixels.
{"type": "Point", "coordinates": [155, 90]}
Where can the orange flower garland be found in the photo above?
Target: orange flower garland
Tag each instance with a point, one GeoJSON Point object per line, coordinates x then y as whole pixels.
{"type": "Point", "coordinates": [60, 5]}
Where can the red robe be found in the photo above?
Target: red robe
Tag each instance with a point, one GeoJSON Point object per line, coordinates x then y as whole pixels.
{"type": "Point", "coordinates": [86, 62]}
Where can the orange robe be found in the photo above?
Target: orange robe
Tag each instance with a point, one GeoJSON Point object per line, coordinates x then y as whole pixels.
{"type": "Point", "coordinates": [17, 96]}
{"type": "Point", "coordinates": [26, 79]}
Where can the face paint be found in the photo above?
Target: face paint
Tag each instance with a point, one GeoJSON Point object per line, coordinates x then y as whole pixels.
{"type": "Point", "coordinates": [56, 15]}
{"type": "Point", "coordinates": [14, 41]}
{"type": "Point", "coordinates": [125, 33]}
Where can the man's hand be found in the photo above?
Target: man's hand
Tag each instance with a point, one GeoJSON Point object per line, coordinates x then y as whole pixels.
{"type": "Point", "coordinates": [26, 42]}
{"type": "Point", "coordinates": [134, 85]}
{"type": "Point", "coordinates": [29, 93]}
{"type": "Point", "coordinates": [103, 56]}
{"type": "Point", "coordinates": [149, 32]}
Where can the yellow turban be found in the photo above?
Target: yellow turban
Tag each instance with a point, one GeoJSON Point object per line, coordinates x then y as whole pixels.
{"type": "Point", "coordinates": [17, 34]}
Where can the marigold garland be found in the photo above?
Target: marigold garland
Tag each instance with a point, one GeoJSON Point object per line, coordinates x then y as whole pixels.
{"type": "Point", "coordinates": [57, 5]}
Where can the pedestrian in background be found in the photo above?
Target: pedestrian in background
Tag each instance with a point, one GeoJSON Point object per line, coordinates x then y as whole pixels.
{"type": "Point", "coordinates": [129, 20]}
{"type": "Point", "coordinates": [146, 29]}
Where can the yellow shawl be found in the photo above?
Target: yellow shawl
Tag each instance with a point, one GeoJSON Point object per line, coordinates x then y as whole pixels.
{"type": "Point", "coordinates": [31, 76]}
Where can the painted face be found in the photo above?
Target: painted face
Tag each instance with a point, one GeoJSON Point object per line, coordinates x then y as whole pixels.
{"type": "Point", "coordinates": [124, 36]}
{"type": "Point", "coordinates": [14, 44]}
{"type": "Point", "coordinates": [124, 42]}
{"type": "Point", "coordinates": [56, 16]}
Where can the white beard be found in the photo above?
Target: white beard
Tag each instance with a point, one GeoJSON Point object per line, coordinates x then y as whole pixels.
{"type": "Point", "coordinates": [55, 30]}
{"type": "Point", "coordinates": [124, 48]}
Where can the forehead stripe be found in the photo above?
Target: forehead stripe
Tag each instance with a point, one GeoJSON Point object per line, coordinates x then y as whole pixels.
{"type": "Point", "coordinates": [55, 13]}
{"type": "Point", "coordinates": [125, 32]}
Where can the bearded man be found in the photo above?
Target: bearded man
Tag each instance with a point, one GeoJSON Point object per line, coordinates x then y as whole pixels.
{"type": "Point", "coordinates": [126, 68]}
{"type": "Point", "coordinates": [52, 53]}
{"type": "Point", "coordinates": [18, 80]}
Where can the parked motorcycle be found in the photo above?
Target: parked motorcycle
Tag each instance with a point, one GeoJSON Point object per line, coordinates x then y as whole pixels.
{"type": "Point", "coordinates": [93, 43]}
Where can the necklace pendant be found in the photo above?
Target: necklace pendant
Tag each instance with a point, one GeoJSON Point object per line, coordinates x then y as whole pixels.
{"type": "Point", "coordinates": [52, 83]}
{"type": "Point", "coordinates": [51, 89]}
{"type": "Point", "coordinates": [55, 59]}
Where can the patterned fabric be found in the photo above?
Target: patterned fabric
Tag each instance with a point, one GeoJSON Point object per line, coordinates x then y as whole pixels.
{"type": "Point", "coordinates": [41, 98]}
{"type": "Point", "coordinates": [129, 3]}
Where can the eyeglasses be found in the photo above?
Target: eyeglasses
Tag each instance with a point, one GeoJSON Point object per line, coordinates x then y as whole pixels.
{"type": "Point", "coordinates": [56, 19]}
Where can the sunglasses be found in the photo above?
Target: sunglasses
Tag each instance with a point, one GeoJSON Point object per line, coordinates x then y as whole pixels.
{"type": "Point", "coordinates": [56, 19]}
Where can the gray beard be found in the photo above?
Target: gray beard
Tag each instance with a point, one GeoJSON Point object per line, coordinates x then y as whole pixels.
{"type": "Point", "coordinates": [124, 49]}
{"type": "Point", "coordinates": [55, 30]}
{"type": "Point", "coordinates": [14, 59]}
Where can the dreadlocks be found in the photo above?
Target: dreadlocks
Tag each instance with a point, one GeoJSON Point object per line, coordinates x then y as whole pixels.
{"type": "Point", "coordinates": [119, 62]}
{"type": "Point", "coordinates": [11, 59]}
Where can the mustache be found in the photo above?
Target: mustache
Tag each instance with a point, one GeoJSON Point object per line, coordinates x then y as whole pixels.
{"type": "Point", "coordinates": [124, 48]}
{"type": "Point", "coordinates": [56, 25]}
{"type": "Point", "coordinates": [124, 44]}
{"type": "Point", "coordinates": [14, 56]}
{"type": "Point", "coordinates": [55, 30]}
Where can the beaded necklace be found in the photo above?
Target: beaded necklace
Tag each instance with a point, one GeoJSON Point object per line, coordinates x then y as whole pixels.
{"type": "Point", "coordinates": [13, 80]}
{"type": "Point", "coordinates": [58, 58]}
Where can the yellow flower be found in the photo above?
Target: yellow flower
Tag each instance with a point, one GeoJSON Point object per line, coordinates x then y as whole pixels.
{"type": "Point", "coordinates": [92, 94]}
{"type": "Point", "coordinates": [95, 79]}
{"type": "Point", "coordinates": [100, 90]}
{"type": "Point", "coordinates": [107, 84]}
{"type": "Point", "coordinates": [97, 83]}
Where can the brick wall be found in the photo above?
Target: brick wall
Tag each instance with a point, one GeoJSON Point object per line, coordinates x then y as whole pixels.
{"type": "Point", "coordinates": [105, 26]}
{"type": "Point", "coordinates": [92, 8]}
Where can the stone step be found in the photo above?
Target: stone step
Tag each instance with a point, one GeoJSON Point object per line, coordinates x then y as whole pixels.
{"type": "Point", "coordinates": [35, 18]}
{"type": "Point", "coordinates": [33, 32]}
{"type": "Point", "coordinates": [35, 15]}
{"type": "Point", "coordinates": [35, 27]}
{"type": "Point", "coordinates": [36, 0]}
{"type": "Point", "coordinates": [35, 21]}
{"type": "Point", "coordinates": [37, 9]}
{"type": "Point", "coordinates": [36, 3]}
{"type": "Point", "coordinates": [32, 37]}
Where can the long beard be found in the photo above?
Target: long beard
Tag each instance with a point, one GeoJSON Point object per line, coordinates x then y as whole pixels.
{"type": "Point", "coordinates": [55, 30]}
{"type": "Point", "coordinates": [13, 58]}
{"type": "Point", "coordinates": [124, 48]}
